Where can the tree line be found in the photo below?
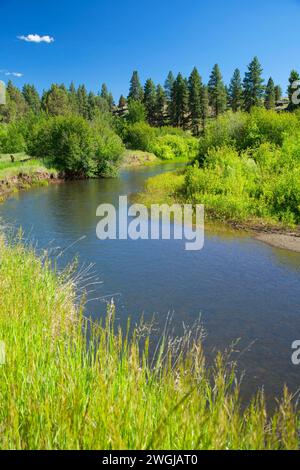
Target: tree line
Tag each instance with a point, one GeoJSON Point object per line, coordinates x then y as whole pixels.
{"type": "Point", "coordinates": [57, 101]}
{"type": "Point", "coordinates": [189, 102]}
{"type": "Point", "coordinates": [181, 102]}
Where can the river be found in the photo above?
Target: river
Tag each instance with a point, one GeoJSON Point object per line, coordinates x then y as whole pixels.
{"type": "Point", "coordinates": [242, 288]}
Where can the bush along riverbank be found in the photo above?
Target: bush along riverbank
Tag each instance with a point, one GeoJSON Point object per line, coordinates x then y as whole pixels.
{"type": "Point", "coordinates": [246, 172]}
{"type": "Point", "coordinates": [79, 148]}
{"type": "Point", "coordinates": [60, 391]}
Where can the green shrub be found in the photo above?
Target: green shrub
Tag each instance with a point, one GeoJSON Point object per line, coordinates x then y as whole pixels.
{"type": "Point", "coordinates": [248, 130]}
{"type": "Point", "coordinates": [169, 147]}
{"type": "Point", "coordinates": [223, 131]}
{"type": "Point", "coordinates": [282, 195]}
{"type": "Point", "coordinates": [12, 139]}
{"type": "Point", "coordinates": [136, 112]}
{"type": "Point", "coordinates": [68, 142]}
{"type": "Point", "coordinates": [290, 151]}
{"type": "Point", "coordinates": [3, 133]}
{"type": "Point", "coordinates": [267, 126]}
{"type": "Point", "coordinates": [169, 130]}
{"type": "Point", "coordinates": [76, 147]}
{"type": "Point", "coordinates": [140, 136]}
{"type": "Point", "coordinates": [108, 151]}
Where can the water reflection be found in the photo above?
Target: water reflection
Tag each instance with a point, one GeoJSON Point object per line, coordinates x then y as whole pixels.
{"type": "Point", "coordinates": [241, 287]}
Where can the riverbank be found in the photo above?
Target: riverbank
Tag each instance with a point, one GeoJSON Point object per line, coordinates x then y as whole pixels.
{"type": "Point", "coordinates": [23, 173]}
{"type": "Point", "coordinates": [138, 158]}
{"type": "Point", "coordinates": [280, 240]}
{"type": "Point", "coordinates": [167, 189]}
{"type": "Point", "coordinates": [58, 392]}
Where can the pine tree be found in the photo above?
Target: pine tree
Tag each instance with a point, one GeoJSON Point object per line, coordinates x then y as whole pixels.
{"type": "Point", "coordinates": [104, 92]}
{"type": "Point", "coordinates": [270, 95]}
{"type": "Point", "coordinates": [195, 90]}
{"type": "Point", "coordinates": [293, 94]}
{"type": "Point", "coordinates": [32, 98]}
{"type": "Point", "coordinates": [111, 102]}
{"type": "Point", "coordinates": [122, 102]}
{"type": "Point", "coordinates": [160, 106]}
{"type": "Point", "coordinates": [83, 102]}
{"type": "Point", "coordinates": [169, 84]}
{"type": "Point", "coordinates": [16, 104]}
{"type": "Point", "coordinates": [180, 102]}
{"type": "Point", "coordinates": [73, 98]}
{"type": "Point", "coordinates": [122, 106]}
{"type": "Point", "coordinates": [55, 101]}
{"type": "Point", "coordinates": [91, 106]}
{"type": "Point", "coordinates": [217, 92]}
{"type": "Point", "coordinates": [235, 91]}
{"type": "Point", "coordinates": [135, 91]}
{"type": "Point", "coordinates": [253, 85]}
{"type": "Point", "coordinates": [204, 105]}
{"type": "Point", "coordinates": [278, 93]}
{"type": "Point", "coordinates": [150, 101]}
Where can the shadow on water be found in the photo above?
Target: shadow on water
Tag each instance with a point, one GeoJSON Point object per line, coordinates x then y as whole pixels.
{"type": "Point", "coordinates": [241, 287]}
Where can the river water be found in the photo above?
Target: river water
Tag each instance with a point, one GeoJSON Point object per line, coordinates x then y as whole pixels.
{"type": "Point", "coordinates": [242, 288]}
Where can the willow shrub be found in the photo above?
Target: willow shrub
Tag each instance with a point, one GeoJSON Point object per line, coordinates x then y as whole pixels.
{"type": "Point", "coordinates": [166, 143]}
{"type": "Point", "coordinates": [60, 391]}
{"type": "Point", "coordinates": [11, 139]}
{"type": "Point", "coordinates": [172, 147]}
{"type": "Point", "coordinates": [247, 130]}
{"type": "Point", "coordinates": [248, 167]}
{"type": "Point", "coordinates": [139, 136]}
{"type": "Point", "coordinates": [226, 184]}
{"type": "Point", "coordinates": [75, 146]}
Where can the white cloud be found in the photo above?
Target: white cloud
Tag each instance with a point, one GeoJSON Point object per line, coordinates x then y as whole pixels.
{"type": "Point", "coordinates": [37, 38]}
{"type": "Point", "coordinates": [14, 74]}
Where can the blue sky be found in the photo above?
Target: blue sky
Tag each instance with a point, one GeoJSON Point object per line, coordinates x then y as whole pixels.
{"type": "Point", "coordinates": [99, 41]}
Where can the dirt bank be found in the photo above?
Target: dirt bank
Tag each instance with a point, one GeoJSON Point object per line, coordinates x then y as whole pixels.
{"type": "Point", "coordinates": [24, 181]}
{"type": "Point", "coordinates": [135, 158]}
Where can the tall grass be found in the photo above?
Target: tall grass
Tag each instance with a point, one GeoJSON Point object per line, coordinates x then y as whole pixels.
{"type": "Point", "coordinates": [22, 164]}
{"type": "Point", "coordinates": [60, 391]}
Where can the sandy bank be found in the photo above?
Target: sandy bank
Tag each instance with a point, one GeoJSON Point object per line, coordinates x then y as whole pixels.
{"type": "Point", "coordinates": [285, 241]}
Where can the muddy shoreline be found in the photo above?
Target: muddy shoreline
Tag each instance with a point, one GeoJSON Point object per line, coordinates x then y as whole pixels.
{"type": "Point", "coordinates": [280, 240]}
{"type": "Point", "coordinates": [278, 237]}
{"type": "Point", "coordinates": [23, 181]}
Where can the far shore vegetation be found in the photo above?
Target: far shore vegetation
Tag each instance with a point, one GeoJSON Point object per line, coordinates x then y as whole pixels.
{"type": "Point", "coordinates": [247, 171]}
{"type": "Point", "coordinates": [83, 134]}
{"type": "Point", "coordinates": [241, 141]}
